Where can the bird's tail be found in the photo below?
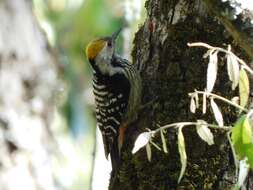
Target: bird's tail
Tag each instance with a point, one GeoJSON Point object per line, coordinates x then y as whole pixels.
{"type": "Point", "coordinates": [115, 156]}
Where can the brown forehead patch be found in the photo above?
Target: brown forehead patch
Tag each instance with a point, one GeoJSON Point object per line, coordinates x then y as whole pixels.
{"type": "Point", "coordinates": [93, 48]}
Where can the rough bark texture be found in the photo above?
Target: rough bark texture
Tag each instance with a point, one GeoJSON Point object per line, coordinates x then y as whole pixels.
{"type": "Point", "coordinates": [28, 79]}
{"type": "Point", "coordinates": [170, 70]}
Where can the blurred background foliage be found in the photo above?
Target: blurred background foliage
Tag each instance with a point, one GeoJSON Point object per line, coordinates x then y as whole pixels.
{"type": "Point", "coordinates": [69, 25]}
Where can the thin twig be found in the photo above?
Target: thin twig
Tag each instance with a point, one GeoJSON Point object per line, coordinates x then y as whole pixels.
{"type": "Point", "coordinates": [178, 124]}
{"type": "Point", "coordinates": [155, 145]}
{"type": "Point", "coordinates": [197, 44]}
{"type": "Point", "coordinates": [220, 98]}
{"type": "Point", "coordinates": [233, 152]}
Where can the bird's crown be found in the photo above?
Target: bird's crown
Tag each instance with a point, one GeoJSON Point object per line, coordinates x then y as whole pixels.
{"type": "Point", "coordinates": [94, 47]}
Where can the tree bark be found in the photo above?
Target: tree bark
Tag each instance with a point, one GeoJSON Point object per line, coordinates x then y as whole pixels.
{"type": "Point", "coordinates": [28, 79]}
{"type": "Point", "coordinates": [170, 70]}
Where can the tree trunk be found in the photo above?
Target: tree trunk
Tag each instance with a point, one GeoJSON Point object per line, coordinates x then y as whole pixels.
{"type": "Point", "coordinates": [28, 78]}
{"type": "Point", "coordinates": [170, 70]}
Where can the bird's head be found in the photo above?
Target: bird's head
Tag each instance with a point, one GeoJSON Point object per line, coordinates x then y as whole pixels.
{"type": "Point", "coordinates": [102, 49]}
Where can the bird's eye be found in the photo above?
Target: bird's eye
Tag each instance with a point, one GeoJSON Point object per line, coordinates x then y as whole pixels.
{"type": "Point", "coordinates": [109, 44]}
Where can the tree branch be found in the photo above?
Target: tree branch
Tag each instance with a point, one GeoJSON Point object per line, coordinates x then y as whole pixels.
{"type": "Point", "coordinates": [240, 37]}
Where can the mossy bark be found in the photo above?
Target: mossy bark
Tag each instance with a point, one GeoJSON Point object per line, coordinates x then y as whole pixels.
{"type": "Point", "coordinates": [170, 70]}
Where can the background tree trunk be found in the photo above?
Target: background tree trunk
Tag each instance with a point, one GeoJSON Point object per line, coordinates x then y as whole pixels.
{"type": "Point", "coordinates": [28, 79]}
{"type": "Point", "coordinates": [170, 70]}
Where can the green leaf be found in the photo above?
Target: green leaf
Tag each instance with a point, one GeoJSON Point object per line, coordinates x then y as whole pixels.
{"type": "Point", "coordinates": [242, 139]}
{"type": "Point", "coordinates": [164, 142]}
{"type": "Point", "coordinates": [243, 88]}
{"type": "Point", "coordinates": [237, 137]}
{"type": "Point", "coordinates": [247, 132]}
{"type": "Point", "coordinates": [249, 154]}
{"type": "Point", "coordinates": [182, 153]}
{"type": "Point", "coordinates": [149, 153]}
{"type": "Point", "coordinates": [236, 131]}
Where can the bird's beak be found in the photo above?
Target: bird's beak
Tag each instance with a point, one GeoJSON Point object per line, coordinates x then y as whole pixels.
{"type": "Point", "coordinates": [116, 34]}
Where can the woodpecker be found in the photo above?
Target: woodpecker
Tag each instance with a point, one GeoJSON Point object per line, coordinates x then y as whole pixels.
{"type": "Point", "coordinates": [117, 91]}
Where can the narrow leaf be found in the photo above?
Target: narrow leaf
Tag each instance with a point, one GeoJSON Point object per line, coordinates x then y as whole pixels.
{"type": "Point", "coordinates": [243, 172]}
{"type": "Point", "coordinates": [149, 153]}
{"type": "Point", "coordinates": [242, 140]}
{"type": "Point", "coordinates": [233, 152]}
{"type": "Point", "coordinates": [197, 100]}
{"type": "Point", "coordinates": [243, 88]}
{"type": "Point", "coordinates": [246, 132]}
{"type": "Point", "coordinates": [192, 105]}
{"type": "Point", "coordinates": [249, 154]}
{"type": "Point", "coordinates": [217, 113]}
{"type": "Point", "coordinates": [155, 145]}
{"type": "Point", "coordinates": [204, 132]}
{"type": "Point", "coordinates": [204, 104]}
{"type": "Point", "coordinates": [233, 70]}
{"type": "Point", "coordinates": [141, 141]}
{"type": "Point", "coordinates": [212, 71]}
{"type": "Point", "coordinates": [164, 142]}
{"type": "Point", "coordinates": [182, 153]}
{"type": "Point", "coordinates": [236, 130]}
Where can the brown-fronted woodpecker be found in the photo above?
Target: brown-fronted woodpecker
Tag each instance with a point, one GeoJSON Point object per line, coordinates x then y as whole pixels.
{"type": "Point", "coordinates": [117, 91]}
